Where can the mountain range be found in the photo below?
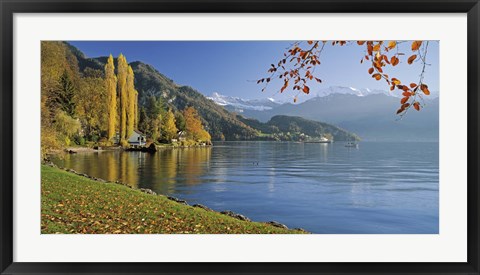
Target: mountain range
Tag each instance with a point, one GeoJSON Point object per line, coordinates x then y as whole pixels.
{"type": "Point", "coordinates": [368, 113]}
{"type": "Point", "coordinates": [239, 104]}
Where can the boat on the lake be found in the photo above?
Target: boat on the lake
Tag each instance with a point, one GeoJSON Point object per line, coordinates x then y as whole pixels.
{"type": "Point", "coordinates": [351, 144]}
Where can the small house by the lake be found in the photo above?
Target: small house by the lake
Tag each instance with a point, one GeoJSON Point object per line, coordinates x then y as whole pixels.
{"type": "Point", "coordinates": [181, 136]}
{"type": "Point", "coordinates": [137, 138]}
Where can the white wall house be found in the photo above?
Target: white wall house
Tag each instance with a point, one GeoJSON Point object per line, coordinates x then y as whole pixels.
{"type": "Point", "coordinates": [181, 135]}
{"type": "Point", "coordinates": [137, 138]}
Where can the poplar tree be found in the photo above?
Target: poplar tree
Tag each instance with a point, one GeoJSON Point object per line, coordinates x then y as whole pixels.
{"type": "Point", "coordinates": [122, 71]}
{"type": "Point", "coordinates": [130, 112]}
{"type": "Point", "coordinates": [111, 87]}
{"type": "Point", "coordinates": [135, 117]}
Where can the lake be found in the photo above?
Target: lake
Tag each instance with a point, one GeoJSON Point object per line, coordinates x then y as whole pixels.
{"type": "Point", "coordinates": [381, 187]}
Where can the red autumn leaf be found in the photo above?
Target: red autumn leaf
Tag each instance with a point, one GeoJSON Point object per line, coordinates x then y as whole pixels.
{"type": "Point", "coordinates": [377, 76]}
{"type": "Point", "coordinates": [404, 100]}
{"type": "Point", "coordinates": [416, 105]}
{"type": "Point", "coordinates": [306, 89]}
{"type": "Point", "coordinates": [369, 49]}
{"type": "Point", "coordinates": [394, 61]}
{"type": "Point", "coordinates": [413, 85]}
{"type": "Point", "coordinates": [370, 71]}
{"type": "Point", "coordinates": [392, 44]}
{"type": "Point", "coordinates": [284, 86]}
{"type": "Point", "coordinates": [416, 45]}
{"type": "Point", "coordinates": [424, 89]}
{"type": "Point", "coordinates": [412, 58]}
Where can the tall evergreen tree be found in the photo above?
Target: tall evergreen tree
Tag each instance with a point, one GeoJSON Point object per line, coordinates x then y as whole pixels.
{"type": "Point", "coordinates": [111, 87]}
{"type": "Point", "coordinates": [63, 97]}
{"type": "Point", "coordinates": [179, 121]}
{"type": "Point", "coordinates": [136, 111]}
{"type": "Point", "coordinates": [143, 121]}
{"type": "Point", "coordinates": [153, 106]}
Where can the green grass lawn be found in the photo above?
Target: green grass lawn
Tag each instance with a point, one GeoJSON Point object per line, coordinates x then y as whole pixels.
{"type": "Point", "coordinates": [75, 204]}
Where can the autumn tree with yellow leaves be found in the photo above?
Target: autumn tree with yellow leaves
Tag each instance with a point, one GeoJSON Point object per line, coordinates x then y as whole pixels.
{"type": "Point", "coordinates": [193, 125]}
{"type": "Point", "coordinates": [131, 97]}
{"type": "Point", "coordinates": [111, 87]}
{"type": "Point", "coordinates": [169, 129]}
{"type": "Point", "coordinates": [122, 71]}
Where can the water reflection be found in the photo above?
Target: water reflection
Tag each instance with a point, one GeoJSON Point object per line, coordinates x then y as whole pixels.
{"type": "Point", "coordinates": [170, 167]}
{"type": "Point", "coordinates": [160, 171]}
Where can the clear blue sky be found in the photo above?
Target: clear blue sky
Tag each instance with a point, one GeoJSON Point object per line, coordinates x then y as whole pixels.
{"type": "Point", "coordinates": [230, 67]}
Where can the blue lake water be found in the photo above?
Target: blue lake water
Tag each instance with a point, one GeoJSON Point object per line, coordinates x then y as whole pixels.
{"type": "Point", "coordinates": [381, 187]}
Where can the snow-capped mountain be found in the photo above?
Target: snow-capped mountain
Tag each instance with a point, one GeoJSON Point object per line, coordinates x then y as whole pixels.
{"type": "Point", "coordinates": [348, 90]}
{"type": "Point", "coordinates": [343, 90]}
{"type": "Point", "coordinates": [239, 104]}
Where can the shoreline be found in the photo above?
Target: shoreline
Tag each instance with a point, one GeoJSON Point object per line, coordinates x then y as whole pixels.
{"type": "Point", "coordinates": [99, 149]}
{"type": "Point", "coordinates": [177, 200]}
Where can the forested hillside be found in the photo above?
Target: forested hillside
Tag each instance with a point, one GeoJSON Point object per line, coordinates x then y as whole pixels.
{"type": "Point", "coordinates": [73, 104]}
{"type": "Point", "coordinates": [294, 128]}
{"type": "Point", "coordinates": [221, 124]}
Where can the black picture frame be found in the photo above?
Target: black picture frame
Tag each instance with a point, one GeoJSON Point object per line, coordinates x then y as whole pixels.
{"type": "Point", "coordinates": [9, 7]}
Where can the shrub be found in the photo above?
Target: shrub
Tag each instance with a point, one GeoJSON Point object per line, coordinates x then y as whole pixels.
{"type": "Point", "coordinates": [79, 140]}
{"type": "Point", "coordinates": [49, 141]}
{"type": "Point", "coordinates": [67, 141]}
